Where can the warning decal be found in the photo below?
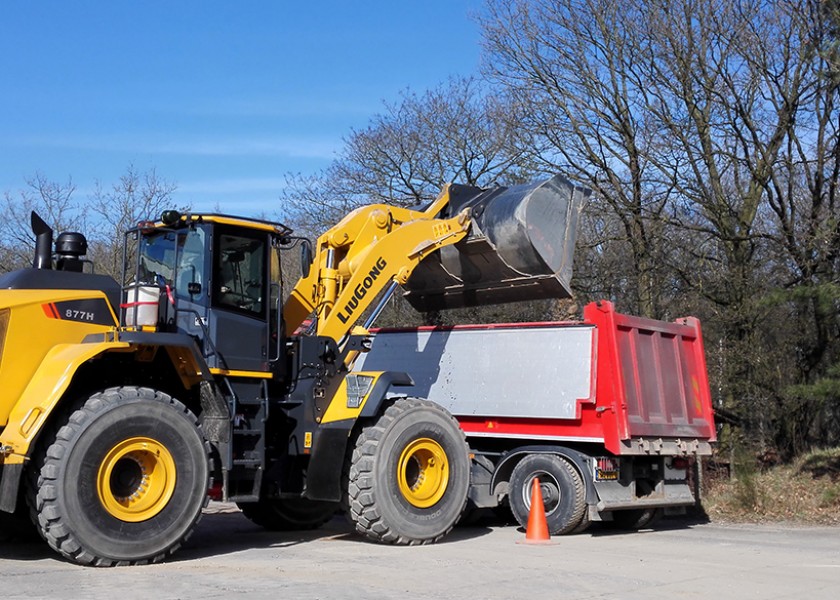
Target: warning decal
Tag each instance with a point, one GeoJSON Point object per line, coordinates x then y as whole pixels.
{"type": "Point", "coordinates": [92, 310]}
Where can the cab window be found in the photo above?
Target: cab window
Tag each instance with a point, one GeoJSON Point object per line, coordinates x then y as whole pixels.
{"type": "Point", "coordinates": [239, 273]}
{"type": "Point", "coordinates": [157, 259]}
{"type": "Point", "coordinates": [190, 263]}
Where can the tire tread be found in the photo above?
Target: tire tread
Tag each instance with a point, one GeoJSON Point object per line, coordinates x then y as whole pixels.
{"type": "Point", "coordinates": [361, 501]}
{"type": "Point", "coordinates": [42, 493]}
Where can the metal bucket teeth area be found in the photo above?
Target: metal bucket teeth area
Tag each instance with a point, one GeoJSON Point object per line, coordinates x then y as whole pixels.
{"type": "Point", "coordinates": [520, 247]}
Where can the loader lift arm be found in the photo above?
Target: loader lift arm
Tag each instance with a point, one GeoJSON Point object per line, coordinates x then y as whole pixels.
{"type": "Point", "coordinates": [360, 256]}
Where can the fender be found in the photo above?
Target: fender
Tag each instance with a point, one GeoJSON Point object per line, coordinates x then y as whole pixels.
{"type": "Point", "coordinates": [329, 446]}
{"type": "Point", "coordinates": [54, 375]}
{"type": "Point", "coordinates": [578, 459]}
{"type": "Point", "coordinates": [45, 389]}
{"type": "Point", "coordinates": [39, 398]}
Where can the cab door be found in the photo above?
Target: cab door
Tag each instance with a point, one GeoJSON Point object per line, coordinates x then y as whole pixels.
{"type": "Point", "coordinates": [239, 295]}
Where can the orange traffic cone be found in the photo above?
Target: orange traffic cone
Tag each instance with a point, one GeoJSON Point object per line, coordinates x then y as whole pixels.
{"type": "Point", "coordinates": [537, 530]}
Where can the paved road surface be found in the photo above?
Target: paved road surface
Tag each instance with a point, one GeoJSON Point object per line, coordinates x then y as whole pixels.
{"type": "Point", "coordinates": [228, 557]}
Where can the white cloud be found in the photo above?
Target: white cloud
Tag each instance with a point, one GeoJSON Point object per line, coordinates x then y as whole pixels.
{"type": "Point", "coordinates": [272, 108]}
{"type": "Point", "coordinates": [299, 148]}
{"type": "Point", "coordinates": [245, 185]}
{"type": "Point", "coordinates": [288, 147]}
{"type": "Point", "coordinates": [245, 196]}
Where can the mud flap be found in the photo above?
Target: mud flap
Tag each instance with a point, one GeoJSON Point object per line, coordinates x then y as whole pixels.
{"type": "Point", "coordinates": [10, 476]}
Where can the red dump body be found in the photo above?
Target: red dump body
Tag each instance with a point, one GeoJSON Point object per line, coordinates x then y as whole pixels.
{"type": "Point", "coordinates": [638, 386]}
{"type": "Point", "coordinates": [652, 379]}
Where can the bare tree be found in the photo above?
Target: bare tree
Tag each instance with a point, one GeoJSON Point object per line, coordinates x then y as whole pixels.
{"type": "Point", "coordinates": [456, 132]}
{"type": "Point", "coordinates": [134, 198]}
{"type": "Point", "coordinates": [708, 130]}
{"type": "Point", "coordinates": [571, 65]}
{"type": "Point", "coordinates": [804, 226]}
{"type": "Point", "coordinates": [103, 218]}
{"type": "Point", "coordinates": [53, 201]}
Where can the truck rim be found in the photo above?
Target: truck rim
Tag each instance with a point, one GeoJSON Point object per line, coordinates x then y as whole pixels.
{"type": "Point", "coordinates": [136, 479]}
{"type": "Point", "coordinates": [549, 489]}
{"type": "Point", "coordinates": [423, 472]}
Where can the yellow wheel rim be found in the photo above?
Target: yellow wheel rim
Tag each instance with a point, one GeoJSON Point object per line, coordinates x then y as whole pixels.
{"type": "Point", "coordinates": [423, 472]}
{"type": "Point", "coordinates": [136, 479]}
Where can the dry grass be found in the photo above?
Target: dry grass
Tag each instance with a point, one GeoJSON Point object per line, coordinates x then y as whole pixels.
{"type": "Point", "coordinates": [806, 492]}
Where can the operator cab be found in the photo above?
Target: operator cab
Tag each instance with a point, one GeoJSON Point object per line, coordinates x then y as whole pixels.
{"type": "Point", "coordinates": [215, 278]}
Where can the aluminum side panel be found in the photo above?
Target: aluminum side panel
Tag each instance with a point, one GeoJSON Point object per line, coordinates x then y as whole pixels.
{"type": "Point", "coordinates": [535, 372]}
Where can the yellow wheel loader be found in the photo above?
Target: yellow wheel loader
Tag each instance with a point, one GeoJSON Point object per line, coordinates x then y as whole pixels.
{"type": "Point", "coordinates": [125, 407]}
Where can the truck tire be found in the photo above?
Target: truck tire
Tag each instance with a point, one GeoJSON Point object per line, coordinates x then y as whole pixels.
{"type": "Point", "coordinates": [584, 524]}
{"type": "Point", "coordinates": [408, 475]}
{"type": "Point", "coordinates": [635, 518]}
{"type": "Point", "coordinates": [562, 491]}
{"type": "Point", "coordinates": [289, 514]}
{"type": "Point", "coordinates": [123, 481]}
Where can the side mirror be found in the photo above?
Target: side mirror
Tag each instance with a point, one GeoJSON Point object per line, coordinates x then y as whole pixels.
{"type": "Point", "coordinates": [305, 258]}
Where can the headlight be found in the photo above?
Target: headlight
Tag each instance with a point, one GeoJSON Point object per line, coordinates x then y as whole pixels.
{"type": "Point", "coordinates": [358, 387]}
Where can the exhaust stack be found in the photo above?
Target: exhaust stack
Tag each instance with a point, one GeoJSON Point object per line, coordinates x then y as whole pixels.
{"type": "Point", "coordinates": [520, 247]}
{"type": "Point", "coordinates": [43, 242]}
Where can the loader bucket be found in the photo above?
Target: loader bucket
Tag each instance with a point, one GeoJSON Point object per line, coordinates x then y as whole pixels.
{"type": "Point", "coordinates": [520, 247]}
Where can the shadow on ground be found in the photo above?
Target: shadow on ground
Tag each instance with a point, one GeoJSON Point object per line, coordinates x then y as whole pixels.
{"type": "Point", "coordinates": [221, 531]}
{"type": "Point", "coordinates": [500, 517]}
{"type": "Point", "coordinates": [229, 532]}
{"type": "Point", "coordinates": [225, 531]}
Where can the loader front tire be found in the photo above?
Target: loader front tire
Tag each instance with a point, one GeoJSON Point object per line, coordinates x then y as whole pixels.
{"type": "Point", "coordinates": [123, 481]}
{"type": "Point", "coordinates": [408, 475]}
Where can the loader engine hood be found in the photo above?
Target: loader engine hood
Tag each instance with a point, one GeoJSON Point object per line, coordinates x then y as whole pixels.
{"type": "Point", "coordinates": [520, 247]}
{"type": "Point", "coordinates": [48, 279]}
{"type": "Point", "coordinates": [68, 274]}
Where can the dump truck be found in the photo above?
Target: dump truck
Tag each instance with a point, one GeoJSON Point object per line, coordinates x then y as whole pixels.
{"type": "Point", "coordinates": [609, 413]}
{"type": "Point", "coordinates": [126, 405]}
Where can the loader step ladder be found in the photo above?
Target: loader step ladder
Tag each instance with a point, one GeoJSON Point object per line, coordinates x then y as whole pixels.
{"type": "Point", "coordinates": [245, 464]}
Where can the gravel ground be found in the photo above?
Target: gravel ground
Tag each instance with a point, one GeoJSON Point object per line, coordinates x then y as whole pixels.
{"type": "Point", "coordinates": [229, 556]}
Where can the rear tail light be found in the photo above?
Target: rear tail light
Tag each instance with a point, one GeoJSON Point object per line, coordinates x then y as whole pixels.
{"type": "Point", "coordinates": [679, 462]}
{"type": "Point", "coordinates": [215, 492]}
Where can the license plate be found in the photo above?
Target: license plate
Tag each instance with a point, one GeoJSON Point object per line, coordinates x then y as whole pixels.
{"type": "Point", "coordinates": [606, 469]}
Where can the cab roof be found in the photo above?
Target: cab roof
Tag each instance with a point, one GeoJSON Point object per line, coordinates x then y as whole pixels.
{"type": "Point", "coordinates": [244, 222]}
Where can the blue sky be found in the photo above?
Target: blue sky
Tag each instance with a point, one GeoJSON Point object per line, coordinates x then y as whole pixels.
{"type": "Point", "coordinates": [221, 98]}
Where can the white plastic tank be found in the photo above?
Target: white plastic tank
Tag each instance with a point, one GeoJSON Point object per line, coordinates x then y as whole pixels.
{"type": "Point", "coordinates": [142, 306]}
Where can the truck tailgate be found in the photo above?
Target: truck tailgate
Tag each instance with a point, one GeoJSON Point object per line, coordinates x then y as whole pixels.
{"type": "Point", "coordinates": [653, 375]}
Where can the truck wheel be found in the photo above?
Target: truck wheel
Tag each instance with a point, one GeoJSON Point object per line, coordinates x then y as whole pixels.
{"type": "Point", "coordinates": [124, 480]}
{"type": "Point", "coordinates": [584, 524]}
{"type": "Point", "coordinates": [289, 514]}
{"type": "Point", "coordinates": [634, 519]}
{"type": "Point", "coordinates": [409, 474]}
{"type": "Point", "coordinates": [562, 491]}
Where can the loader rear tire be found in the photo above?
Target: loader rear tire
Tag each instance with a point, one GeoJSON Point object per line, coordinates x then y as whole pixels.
{"type": "Point", "coordinates": [289, 514]}
{"type": "Point", "coordinates": [562, 491]}
{"type": "Point", "coordinates": [408, 475]}
{"type": "Point", "coordinates": [123, 481]}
